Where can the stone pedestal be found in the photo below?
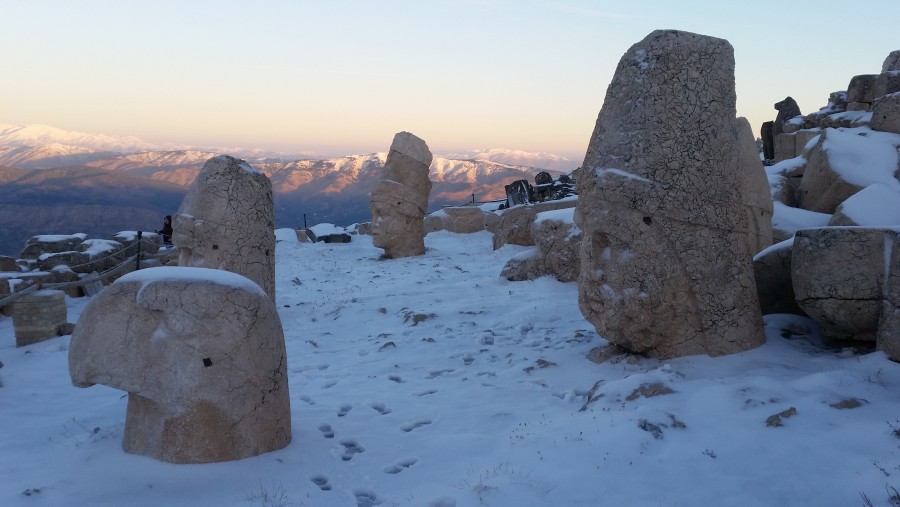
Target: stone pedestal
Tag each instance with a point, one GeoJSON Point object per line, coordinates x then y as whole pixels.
{"type": "Point", "coordinates": [37, 316]}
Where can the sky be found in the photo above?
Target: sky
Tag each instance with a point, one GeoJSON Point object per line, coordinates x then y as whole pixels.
{"type": "Point", "coordinates": [477, 403]}
{"type": "Point", "coordinates": [342, 77]}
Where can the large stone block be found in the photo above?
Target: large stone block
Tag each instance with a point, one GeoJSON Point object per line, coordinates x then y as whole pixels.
{"type": "Point", "coordinates": [227, 221]}
{"type": "Point", "coordinates": [51, 243]}
{"type": "Point", "coordinates": [891, 62]}
{"type": "Point", "coordinates": [885, 84]}
{"type": "Point", "coordinates": [38, 316]}
{"type": "Point", "coordinates": [838, 278]}
{"type": "Point", "coordinates": [666, 255]}
{"type": "Point", "coordinates": [886, 114]}
{"type": "Point", "coordinates": [842, 163]}
{"type": "Point", "coordinates": [755, 191]}
{"type": "Point", "coordinates": [861, 87]}
{"type": "Point", "coordinates": [400, 198]}
{"type": "Point", "coordinates": [557, 250]}
{"type": "Point", "coordinates": [201, 354]}
{"type": "Point", "coordinates": [464, 219]}
{"type": "Point", "coordinates": [888, 338]}
{"type": "Point", "coordinates": [877, 205]}
{"type": "Point", "coordinates": [514, 225]}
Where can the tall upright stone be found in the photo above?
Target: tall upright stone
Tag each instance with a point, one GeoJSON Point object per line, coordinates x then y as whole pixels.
{"type": "Point", "coordinates": [754, 187]}
{"type": "Point", "coordinates": [666, 256]}
{"type": "Point", "coordinates": [400, 198]}
{"type": "Point", "coordinates": [227, 221]}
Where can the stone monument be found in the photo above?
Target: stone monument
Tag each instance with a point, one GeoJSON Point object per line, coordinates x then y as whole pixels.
{"type": "Point", "coordinates": [226, 221]}
{"type": "Point", "coordinates": [400, 198]}
{"type": "Point", "coordinates": [201, 354]}
{"type": "Point", "coordinates": [666, 254]}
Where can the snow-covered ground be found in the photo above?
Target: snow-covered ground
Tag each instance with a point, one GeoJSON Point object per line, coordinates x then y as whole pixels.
{"type": "Point", "coordinates": [431, 381]}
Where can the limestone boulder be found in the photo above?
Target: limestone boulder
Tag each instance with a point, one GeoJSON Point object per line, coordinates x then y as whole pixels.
{"type": "Point", "coordinates": [792, 144]}
{"type": "Point", "coordinates": [754, 187]}
{"type": "Point", "coordinates": [514, 225]}
{"type": "Point", "coordinates": [885, 84]}
{"type": "Point", "coordinates": [201, 354]}
{"type": "Point", "coordinates": [888, 338]}
{"type": "Point", "coordinates": [8, 264]}
{"type": "Point", "coordinates": [877, 205]}
{"type": "Point", "coordinates": [227, 221]}
{"type": "Point", "coordinates": [400, 198]}
{"type": "Point", "coordinates": [838, 278]}
{"type": "Point", "coordinates": [772, 271]}
{"type": "Point", "coordinates": [861, 88]}
{"type": "Point", "coordinates": [557, 250]}
{"type": "Point", "coordinates": [464, 219]}
{"type": "Point", "coordinates": [886, 114]}
{"type": "Point", "coordinates": [892, 62]}
{"type": "Point", "coordinates": [51, 243]}
{"type": "Point", "coordinates": [843, 162]}
{"type": "Point", "coordinates": [666, 255]}
{"type": "Point", "coordinates": [38, 316]}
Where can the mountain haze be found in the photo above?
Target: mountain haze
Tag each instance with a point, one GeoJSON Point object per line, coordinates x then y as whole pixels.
{"type": "Point", "coordinates": [118, 184]}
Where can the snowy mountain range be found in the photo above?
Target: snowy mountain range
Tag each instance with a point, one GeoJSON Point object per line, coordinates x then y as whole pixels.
{"type": "Point", "coordinates": [137, 182]}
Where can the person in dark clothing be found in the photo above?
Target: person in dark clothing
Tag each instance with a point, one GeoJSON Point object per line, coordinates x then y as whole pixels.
{"type": "Point", "coordinates": [166, 231]}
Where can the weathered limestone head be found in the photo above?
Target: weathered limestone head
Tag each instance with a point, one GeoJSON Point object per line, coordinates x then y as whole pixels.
{"type": "Point", "coordinates": [201, 354]}
{"type": "Point", "coordinates": [892, 62]}
{"type": "Point", "coordinates": [666, 256]}
{"type": "Point", "coordinates": [400, 198]}
{"type": "Point", "coordinates": [227, 221]}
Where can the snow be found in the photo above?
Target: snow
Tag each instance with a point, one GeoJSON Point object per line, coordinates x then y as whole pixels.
{"type": "Point", "coordinates": [53, 238]}
{"type": "Point", "coordinates": [862, 156]}
{"type": "Point", "coordinates": [565, 215]}
{"type": "Point", "coordinates": [217, 276]}
{"type": "Point", "coordinates": [602, 171]}
{"type": "Point", "coordinates": [781, 245]}
{"type": "Point", "coordinates": [95, 247]}
{"type": "Point", "coordinates": [791, 220]}
{"type": "Point", "coordinates": [459, 388]}
{"type": "Point", "coordinates": [874, 205]}
{"type": "Point", "coordinates": [132, 235]}
{"type": "Point", "coordinates": [326, 229]}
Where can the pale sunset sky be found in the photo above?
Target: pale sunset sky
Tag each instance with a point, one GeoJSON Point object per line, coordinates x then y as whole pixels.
{"type": "Point", "coordinates": [340, 77]}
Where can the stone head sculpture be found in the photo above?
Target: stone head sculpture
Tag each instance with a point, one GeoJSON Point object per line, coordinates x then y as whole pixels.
{"type": "Point", "coordinates": [200, 353]}
{"type": "Point", "coordinates": [400, 198]}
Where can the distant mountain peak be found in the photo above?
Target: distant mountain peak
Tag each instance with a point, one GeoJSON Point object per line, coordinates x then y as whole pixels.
{"type": "Point", "coordinates": [39, 135]}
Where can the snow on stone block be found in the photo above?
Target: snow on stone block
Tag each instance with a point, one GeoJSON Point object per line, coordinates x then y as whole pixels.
{"type": "Point", "coordinates": [843, 162]}
{"type": "Point", "coordinates": [873, 206]}
{"type": "Point", "coordinates": [787, 220]}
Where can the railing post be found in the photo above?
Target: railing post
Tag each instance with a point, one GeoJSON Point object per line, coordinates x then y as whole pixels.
{"type": "Point", "coordinates": [137, 259]}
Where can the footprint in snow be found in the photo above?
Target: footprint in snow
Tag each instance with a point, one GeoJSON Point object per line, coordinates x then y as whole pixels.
{"type": "Point", "coordinates": [380, 408]}
{"type": "Point", "coordinates": [395, 378]}
{"type": "Point", "coordinates": [415, 425]}
{"type": "Point", "coordinates": [351, 448]}
{"type": "Point", "coordinates": [439, 373]}
{"type": "Point", "coordinates": [344, 410]}
{"type": "Point", "coordinates": [366, 498]}
{"type": "Point", "coordinates": [429, 392]}
{"type": "Point", "coordinates": [400, 466]}
{"type": "Point", "coordinates": [326, 430]}
{"type": "Point", "coordinates": [322, 482]}
{"type": "Point", "coordinates": [307, 400]}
